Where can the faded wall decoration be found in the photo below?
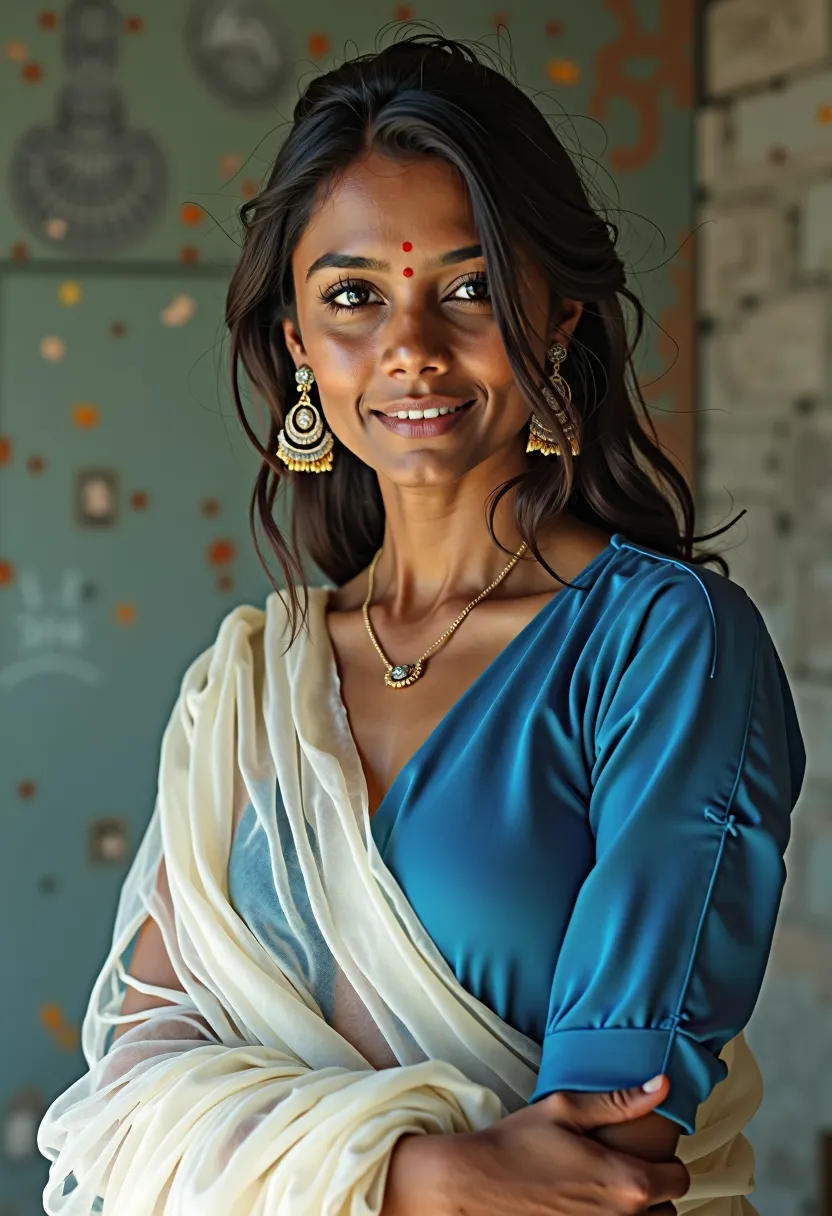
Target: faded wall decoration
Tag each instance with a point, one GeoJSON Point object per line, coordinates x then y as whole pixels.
{"type": "Point", "coordinates": [238, 50]}
{"type": "Point", "coordinates": [617, 75]}
{"type": "Point", "coordinates": [52, 635]}
{"type": "Point", "coordinates": [88, 182]}
{"type": "Point", "coordinates": [97, 497]}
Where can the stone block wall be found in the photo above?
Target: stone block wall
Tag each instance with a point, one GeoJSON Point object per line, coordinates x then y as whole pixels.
{"type": "Point", "coordinates": [764, 271]}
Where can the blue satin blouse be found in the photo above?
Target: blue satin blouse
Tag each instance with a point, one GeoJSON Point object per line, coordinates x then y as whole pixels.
{"type": "Point", "coordinates": [594, 833]}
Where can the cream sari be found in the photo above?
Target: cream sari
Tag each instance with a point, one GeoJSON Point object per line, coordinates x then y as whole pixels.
{"type": "Point", "coordinates": [238, 1097]}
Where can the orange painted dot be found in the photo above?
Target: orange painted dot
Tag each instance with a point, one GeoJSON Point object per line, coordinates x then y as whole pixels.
{"type": "Point", "coordinates": [133, 25]}
{"type": "Point", "coordinates": [48, 20]}
{"type": "Point", "coordinates": [221, 553]}
{"type": "Point", "coordinates": [249, 188]}
{"type": "Point", "coordinates": [189, 254]}
{"type": "Point", "coordinates": [20, 252]}
{"type": "Point", "coordinates": [18, 52]}
{"type": "Point", "coordinates": [51, 1017]}
{"type": "Point", "coordinates": [86, 416]}
{"type": "Point", "coordinates": [125, 614]}
{"type": "Point", "coordinates": [403, 12]}
{"type": "Point", "coordinates": [138, 500]}
{"type": "Point", "coordinates": [56, 228]}
{"type": "Point", "coordinates": [229, 164]}
{"type": "Point", "coordinates": [406, 246]}
{"type": "Point", "coordinates": [563, 71]}
{"type": "Point", "coordinates": [317, 45]}
{"type": "Point", "coordinates": [190, 213]}
{"type": "Point", "coordinates": [69, 294]}
{"type": "Point", "coordinates": [824, 113]}
{"type": "Point", "coordinates": [26, 790]}
{"type": "Point", "coordinates": [68, 1038]}
{"type": "Point", "coordinates": [33, 72]}
{"type": "Point", "coordinates": [5, 450]}
{"type": "Point", "coordinates": [225, 582]}
{"type": "Point", "coordinates": [6, 574]}
{"type": "Point", "coordinates": [408, 272]}
{"type": "Point", "coordinates": [554, 29]}
{"type": "Point", "coordinates": [210, 507]}
{"type": "Point", "coordinates": [35, 464]}
{"type": "Point", "coordinates": [499, 19]}
{"type": "Point", "coordinates": [52, 348]}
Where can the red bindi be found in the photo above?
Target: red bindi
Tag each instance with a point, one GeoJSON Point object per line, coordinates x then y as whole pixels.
{"type": "Point", "coordinates": [407, 272]}
{"type": "Point", "coordinates": [407, 246]}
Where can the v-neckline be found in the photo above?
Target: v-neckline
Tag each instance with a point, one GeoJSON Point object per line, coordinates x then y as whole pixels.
{"type": "Point", "coordinates": [536, 622]}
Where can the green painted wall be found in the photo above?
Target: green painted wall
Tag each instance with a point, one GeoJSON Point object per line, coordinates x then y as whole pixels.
{"type": "Point", "coordinates": [98, 621]}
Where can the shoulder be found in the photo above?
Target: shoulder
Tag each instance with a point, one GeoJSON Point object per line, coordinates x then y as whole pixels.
{"type": "Point", "coordinates": [661, 600]}
{"type": "Point", "coordinates": [240, 632]}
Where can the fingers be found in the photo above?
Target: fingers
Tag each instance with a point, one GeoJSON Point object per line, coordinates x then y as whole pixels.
{"type": "Point", "coordinates": [669, 1180]}
{"type": "Point", "coordinates": [583, 1112]}
{"type": "Point", "coordinates": [649, 1187]}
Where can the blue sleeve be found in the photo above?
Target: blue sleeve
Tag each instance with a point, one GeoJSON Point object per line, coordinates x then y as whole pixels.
{"type": "Point", "coordinates": [696, 763]}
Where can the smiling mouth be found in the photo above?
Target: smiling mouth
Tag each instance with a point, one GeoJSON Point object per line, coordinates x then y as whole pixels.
{"type": "Point", "coordinates": [431, 412]}
{"type": "Point", "coordinates": [416, 423]}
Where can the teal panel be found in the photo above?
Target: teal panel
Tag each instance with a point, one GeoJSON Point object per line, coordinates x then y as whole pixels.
{"type": "Point", "coordinates": [84, 692]}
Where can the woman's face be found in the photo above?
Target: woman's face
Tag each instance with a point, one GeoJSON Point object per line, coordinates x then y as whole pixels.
{"type": "Point", "coordinates": [394, 316]}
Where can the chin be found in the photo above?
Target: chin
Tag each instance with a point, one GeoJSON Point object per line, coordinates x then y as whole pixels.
{"type": "Point", "coordinates": [426, 468]}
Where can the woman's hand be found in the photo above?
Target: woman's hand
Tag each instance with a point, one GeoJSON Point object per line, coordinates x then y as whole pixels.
{"type": "Point", "coordinates": [538, 1161]}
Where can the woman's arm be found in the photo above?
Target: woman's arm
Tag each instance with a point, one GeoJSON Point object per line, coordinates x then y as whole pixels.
{"type": "Point", "coordinates": [696, 762]}
{"type": "Point", "coordinates": [652, 1137]}
{"type": "Point", "coordinates": [542, 1158]}
{"type": "Point", "coordinates": [150, 964]}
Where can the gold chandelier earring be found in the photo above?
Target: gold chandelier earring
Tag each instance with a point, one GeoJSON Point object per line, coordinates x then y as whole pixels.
{"type": "Point", "coordinates": [304, 444]}
{"type": "Point", "coordinates": [559, 399]}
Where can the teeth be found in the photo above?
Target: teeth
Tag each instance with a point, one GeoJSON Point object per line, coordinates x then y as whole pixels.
{"type": "Point", "coordinates": [432, 413]}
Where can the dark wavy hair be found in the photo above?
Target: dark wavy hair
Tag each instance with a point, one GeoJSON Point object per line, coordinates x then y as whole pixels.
{"type": "Point", "coordinates": [425, 95]}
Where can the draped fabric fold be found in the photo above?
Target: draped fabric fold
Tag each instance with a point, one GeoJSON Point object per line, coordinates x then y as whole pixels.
{"type": "Point", "coordinates": [278, 1082]}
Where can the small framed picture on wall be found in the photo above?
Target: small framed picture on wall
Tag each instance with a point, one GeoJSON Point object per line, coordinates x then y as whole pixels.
{"type": "Point", "coordinates": [96, 497]}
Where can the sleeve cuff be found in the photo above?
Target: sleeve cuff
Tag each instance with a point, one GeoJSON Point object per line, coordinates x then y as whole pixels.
{"type": "Point", "coordinates": [597, 1061]}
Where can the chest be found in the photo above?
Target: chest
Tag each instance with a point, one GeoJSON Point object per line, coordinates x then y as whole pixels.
{"type": "Point", "coordinates": [390, 725]}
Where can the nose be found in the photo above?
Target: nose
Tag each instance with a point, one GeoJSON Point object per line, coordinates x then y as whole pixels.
{"type": "Point", "coordinates": [415, 346]}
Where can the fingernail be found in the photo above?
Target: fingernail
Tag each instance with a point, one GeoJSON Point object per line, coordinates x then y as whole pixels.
{"type": "Point", "coordinates": [652, 1085]}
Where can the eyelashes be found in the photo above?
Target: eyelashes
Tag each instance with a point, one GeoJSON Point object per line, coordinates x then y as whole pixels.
{"type": "Point", "coordinates": [346, 287]}
{"type": "Point", "coordinates": [361, 292]}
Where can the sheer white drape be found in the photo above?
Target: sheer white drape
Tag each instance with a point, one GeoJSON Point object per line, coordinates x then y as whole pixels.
{"type": "Point", "coordinates": [277, 1082]}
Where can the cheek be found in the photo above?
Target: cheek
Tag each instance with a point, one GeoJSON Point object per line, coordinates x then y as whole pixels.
{"type": "Point", "coordinates": [489, 363]}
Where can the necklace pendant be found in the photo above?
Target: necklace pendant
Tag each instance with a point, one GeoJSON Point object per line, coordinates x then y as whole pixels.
{"type": "Point", "coordinates": [403, 674]}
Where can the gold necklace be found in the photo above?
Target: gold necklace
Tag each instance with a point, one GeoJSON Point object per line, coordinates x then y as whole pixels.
{"type": "Point", "coordinates": [400, 675]}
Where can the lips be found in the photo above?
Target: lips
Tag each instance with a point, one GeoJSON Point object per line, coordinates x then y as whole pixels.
{"type": "Point", "coordinates": [423, 428]}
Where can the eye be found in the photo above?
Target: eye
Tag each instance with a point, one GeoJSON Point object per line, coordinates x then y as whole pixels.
{"type": "Point", "coordinates": [473, 289]}
{"type": "Point", "coordinates": [347, 296]}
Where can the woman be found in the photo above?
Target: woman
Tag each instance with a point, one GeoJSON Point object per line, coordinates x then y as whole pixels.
{"type": "Point", "coordinates": [451, 858]}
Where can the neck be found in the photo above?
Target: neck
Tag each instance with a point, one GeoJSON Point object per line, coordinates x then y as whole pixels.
{"type": "Point", "coordinates": [437, 546]}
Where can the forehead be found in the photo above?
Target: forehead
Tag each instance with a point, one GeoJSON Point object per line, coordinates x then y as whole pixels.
{"type": "Point", "coordinates": [378, 201]}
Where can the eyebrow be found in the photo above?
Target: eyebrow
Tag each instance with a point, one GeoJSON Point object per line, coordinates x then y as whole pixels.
{"type": "Point", "coordinates": [351, 261]}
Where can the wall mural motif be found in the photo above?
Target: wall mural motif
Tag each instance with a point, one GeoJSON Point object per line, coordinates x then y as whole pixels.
{"type": "Point", "coordinates": [51, 634]}
{"type": "Point", "coordinates": [671, 49]}
{"type": "Point", "coordinates": [238, 50]}
{"type": "Point", "coordinates": [89, 182]}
